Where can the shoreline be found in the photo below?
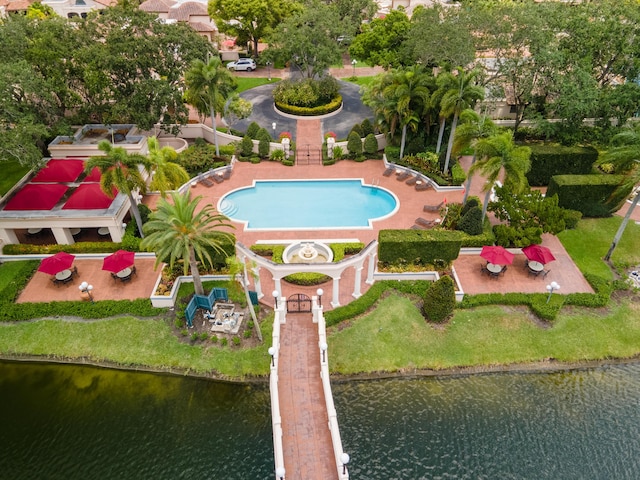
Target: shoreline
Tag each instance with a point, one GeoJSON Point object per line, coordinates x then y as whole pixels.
{"type": "Point", "coordinates": [543, 366]}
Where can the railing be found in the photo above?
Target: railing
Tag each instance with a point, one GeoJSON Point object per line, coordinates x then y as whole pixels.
{"type": "Point", "coordinates": [276, 419]}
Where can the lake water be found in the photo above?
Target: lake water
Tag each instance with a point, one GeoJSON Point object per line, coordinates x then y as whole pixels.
{"type": "Point", "coordinates": [69, 422]}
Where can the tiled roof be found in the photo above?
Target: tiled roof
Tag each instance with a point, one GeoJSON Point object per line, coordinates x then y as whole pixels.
{"type": "Point", "coordinates": [107, 3]}
{"type": "Point", "coordinates": [157, 6]}
{"type": "Point", "coordinates": [187, 9]}
{"type": "Point", "coordinates": [18, 5]}
{"type": "Point", "coordinates": [202, 27]}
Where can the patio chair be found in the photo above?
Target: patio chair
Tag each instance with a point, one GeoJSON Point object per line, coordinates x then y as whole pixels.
{"type": "Point", "coordinates": [403, 176]}
{"type": "Point", "coordinates": [206, 181]}
{"type": "Point", "coordinates": [227, 174]}
{"type": "Point", "coordinates": [114, 276]}
{"type": "Point", "coordinates": [389, 171]}
{"type": "Point", "coordinates": [483, 269]}
{"type": "Point", "coordinates": [134, 271]}
{"type": "Point", "coordinates": [420, 187]}
{"type": "Point", "coordinates": [412, 180]}
{"type": "Point", "coordinates": [424, 222]}
{"type": "Point", "coordinates": [433, 208]}
{"type": "Point", "coordinates": [217, 177]}
{"type": "Point", "coordinates": [74, 271]}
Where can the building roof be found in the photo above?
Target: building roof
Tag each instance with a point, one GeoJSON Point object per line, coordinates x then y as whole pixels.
{"type": "Point", "coordinates": [186, 10]}
{"type": "Point", "coordinates": [18, 5]}
{"type": "Point", "coordinates": [202, 27]}
{"type": "Point", "coordinates": [157, 6]}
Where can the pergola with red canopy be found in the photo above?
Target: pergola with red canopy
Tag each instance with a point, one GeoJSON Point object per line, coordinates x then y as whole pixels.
{"type": "Point", "coordinates": [59, 171]}
{"type": "Point", "coordinates": [37, 197]}
{"type": "Point", "coordinates": [88, 196]}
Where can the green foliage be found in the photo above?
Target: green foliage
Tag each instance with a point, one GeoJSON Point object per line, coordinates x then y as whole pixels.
{"type": "Point", "coordinates": [354, 145]}
{"type": "Point", "coordinates": [236, 341]}
{"type": "Point", "coordinates": [247, 334]}
{"type": "Point", "coordinates": [367, 128]}
{"type": "Point", "coordinates": [507, 236]}
{"type": "Point", "coordinates": [471, 222]}
{"type": "Point", "coordinates": [201, 156]}
{"type": "Point", "coordinates": [246, 146]}
{"type": "Point", "coordinates": [370, 144]}
{"type": "Point", "coordinates": [264, 143]}
{"type": "Point", "coordinates": [277, 155]}
{"type": "Point", "coordinates": [329, 107]}
{"type": "Point", "coordinates": [458, 175]}
{"type": "Point", "coordinates": [440, 300]}
{"type": "Point", "coordinates": [472, 201]}
{"type": "Point", "coordinates": [307, 93]}
{"type": "Point", "coordinates": [593, 195]}
{"type": "Point", "coordinates": [358, 129]}
{"type": "Point", "coordinates": [252, 130]}
{"type": "Point", "coordinates": [549, 160]}
{"type": "Point", "coordinates": [417, 247]}
{"type": "Point", "coordinates": [338, 152]}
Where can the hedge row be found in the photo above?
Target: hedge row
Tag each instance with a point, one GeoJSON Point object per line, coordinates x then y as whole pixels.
{"type": "Point", "coordinates": [593, 195]}
{"type": "Point", "coordinates": [418, 247]}
{"type": "Point", "coordinates": [550, 160]}
{"type": "Point", "coordinates": [311, 111]}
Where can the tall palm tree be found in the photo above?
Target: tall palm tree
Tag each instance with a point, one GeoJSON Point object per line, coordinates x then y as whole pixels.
{"type": "Point", "coordinates": [120, 170]}
{"type": "Point", "coordinates": [176, 231]}
{"type": "Point", "coordinates": [625, 156]}
{"type": "Point", "coordinates": [208, 87]}
{"type": "Point", "coordinates": [166, 173]}
{"type": "Point", "coordinates": [499, 153]}
{"type": "Point", "coordinates": [463, 93]}
{"type": "Point", "coordinates": [239, 268]}
{"type": "Point", "coordinates": [472, 128]}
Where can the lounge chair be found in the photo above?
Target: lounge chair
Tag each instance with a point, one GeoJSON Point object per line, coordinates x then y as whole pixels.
{"type": "Point", "coordinates": [425, 223]}
{"type": "Point", "coordinates": [423, 186]}
{"type": "Point", "coordinates": [389, 171]}
{"type": "Point", "coordinates": [412, 180]}
{"type": "Point", "coordinates": [217, 177]}
{"type": "Point", "coordinates": [403, 176]}
{"type": "Point", "coordinates": [433, 208]}
{"type": "Point", "coordinates": [206, 181]}
{"type": "Point", "coordinates": [227, 174]}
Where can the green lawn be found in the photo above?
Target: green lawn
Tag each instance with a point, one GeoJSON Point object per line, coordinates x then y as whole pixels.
{"type": "Point", "coordinates": [13, 172]}
{"type": "Point", "coordinates": [249, 83]}
{"type": "Point", "coordinates": [360, 80]}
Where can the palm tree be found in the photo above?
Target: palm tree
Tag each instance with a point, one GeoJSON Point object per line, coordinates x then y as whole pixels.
{"type": "Point", "coordinates": [177, 232]}
{"type": "Point", "coordinates": [472, 128]}
{"type": "Point", "coordinates": [208, 87]}
{"type": "Point", "coordinates": [625, 156]}
{"type": "Point", "coordinates": [120, 170]}
{"type": "Point", "coordinates": [462, 93]}
{"type": "Point", "coordinates": [238, 268]}
{"type": "Point", "coordinates": [497, 153]}
{"type": "Point", "coordinates": [166, 173]}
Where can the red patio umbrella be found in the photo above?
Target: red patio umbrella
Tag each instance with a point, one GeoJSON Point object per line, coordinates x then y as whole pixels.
{"type": "Point", "coordinates": [497, 255]}
{"type": "Point", "coordinates": [118, 261]}
{"type": "Point", "coordinates": [538, 253]}
{"type": "Point", "coordinates": [56, 263]}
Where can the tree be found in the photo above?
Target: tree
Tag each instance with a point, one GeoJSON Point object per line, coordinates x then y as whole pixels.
{"type": "Point", "coordinates": [499, 153]}
{"type": "Point", "coordinates": [308, 39]}
{"type": "Point", "coordinates": [250, 20]}
{"type": "Point", "coordinates": [235, 109]}
{"type": "Point", "coordinates": [120, 170]}
{"type": "Point", "coordinates": [238, 268]}
{"type": "Point", "coordinates": [209, 85]}
{"type": "Point", "coordinates": [440, 300]}
{"type": "Point", "coordinates": [166, 173]}
{"type": "Point", "coordinates": [472, 128]}
{"type": "Point", "coordinates": [176, 231]}
{"type": "Point", "coordinates": [461, 93]}
{"type": "Point", "coordinates": [625, 156]}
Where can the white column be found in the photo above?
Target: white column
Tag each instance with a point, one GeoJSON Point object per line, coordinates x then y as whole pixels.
{"type": "Point", "coordinates": [356, 288]}
{"type": "Point", "coordinates": [278, 285]}
{"type": "Point", "coordinates": [8, 235]}
{"type": "Point", "coordinates": [116, 233]}
{"type": "Point", "coordinates": [63, 236]}
{"type": "Point", "coordinates": [336, 292]}
{"type": "Point", "coordinates": [371, 269]}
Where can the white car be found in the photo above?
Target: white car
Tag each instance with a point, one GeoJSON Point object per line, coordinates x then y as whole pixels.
{"type": "Point", "coordinates": [247, 64]}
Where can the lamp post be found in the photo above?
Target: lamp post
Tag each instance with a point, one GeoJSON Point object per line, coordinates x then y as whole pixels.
{"type": "Point", "coordinates": [275, 294]}
{"type": "Point", "coordinates": [86, 288]}
{"type": "Point", "coordinates": [345, 459]}
{"type": "Point", "coordinates": [320, 292]}
{"type": "Point", "coordinates": [280, 472]}
{"type": "Point", "coordinates": [268, 70]}
{"type": "Point", "coordinates": [550, 288]}
{"type": "Point", "coordinates": [274, 125]}
{"type": "Point", "coordinates": [323, 348]}
{"type": "Point", "coordinates": [272, 352]}
{"type": "Point", "coordinates": [353, 62]}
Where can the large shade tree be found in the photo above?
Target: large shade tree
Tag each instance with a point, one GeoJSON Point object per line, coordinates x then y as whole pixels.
{"type": "Point", "coordinates": [178, 231]}
{"type": "Point", "coordinates": [209, 85]}
{"type": "Point", "coordinates": [625, 156]}
{"type": "Point", "coordinates": [122, 171]}
{"type": "Point", "coordinates": [166, 173]}
{"type": "Point", "coordinates": [497, 154]}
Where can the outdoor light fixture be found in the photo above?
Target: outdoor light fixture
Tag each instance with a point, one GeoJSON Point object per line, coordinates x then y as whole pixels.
{"type": "Point", "coordinates": [550, 288]}
{"type": "Point", "coordinates": [269, 70]}
{"type": "Point", "coordinates": [275, 294]}
{"type": "Point", "coordinates": [345, 459]}
{"type": "Point", "coordinates": [280, 471]}
{"type": "Point", "coordinates": [323, 347]}
{"type": "Point", "coordinates": [320, 292]}
{"type": "Point", "coordinates": [274, 125]}
{"type": "Point", "coordinates": [272, 352]}
{"type": "Point", "coordinates": [353, 62]}
{"type": "Point", "coordinates": [86, 288]}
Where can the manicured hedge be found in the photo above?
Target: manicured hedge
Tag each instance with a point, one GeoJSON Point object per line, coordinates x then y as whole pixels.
{"type": "Point", "coordinates": [308, 112]}
{"type": "Point", "coordinates": [418, 247]}
{"type": "Point", "coordinates": [590, 194]}
{"type": "Point", "coordinates": [550, 160]}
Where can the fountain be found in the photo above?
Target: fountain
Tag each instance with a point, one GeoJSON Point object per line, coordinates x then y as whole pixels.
{"type": "Point", "coordinates": [307, 252]}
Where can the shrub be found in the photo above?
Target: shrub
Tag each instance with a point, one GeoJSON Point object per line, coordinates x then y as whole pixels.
{"type": "Point", "coordinates": [507, 236]}
{"type": "Point", "coordinates": [236, 340]}
{"type": "Point", "coordinates": [201, 156]}
{"type": "Point", "coordinates": [214, 339]}
{"type": "Point", "coordinates": [247, 334]}
{"type": "Point", "coordinates": [252, 130]}
{"type": "Point", "coordinates": [593, 195]}
{"type": "Point", "coordinates": [472, 201]}
{"type": "Point", "coordinates": [458, 175]}
{"type": "Point", "coordinates": [550, 160]}
{"type": "Point", "coordinates": [471, 222]}
{"type": "Point", "coordinates": [224, 342]}
{"type": "Point", "coordinates": [370, 144]}
{"type": "Point", "coordinates": [246, 146]}
{"type": "Point", "coordinates": [440, 300]}
{"type": "Point", "coordinates": [264, 143]}
{"type": "Point", "coordinates": [358, 129]}
{"type": "Point", "coordinates": [366, 127]}
{"type": "Point", "coordinates": [392, 153]}
{"type": "Point", "coordinates": [277, 155]}
{"type": "Point", "coordinates": [354, 144]}
{"type": "Point", "coordinates": [338, 152]}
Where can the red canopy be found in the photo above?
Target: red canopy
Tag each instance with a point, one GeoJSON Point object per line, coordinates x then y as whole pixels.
{"type": "Point", "coordinates": [88, 196]}
{"type": "Point", "coordinates": [94, 175]}
{"type": "Point", "coordinates": [60, 171]}
{"type": "Point", "coordinates": [538, 253]}
{"type": "Point", "coordinates": [118, 261]}
{"type": "Point", "coordinates": [56, 263]}
{"type": "Point", "coordinates": [497, 255]}
{"type": "Point", "coordinates": [36, 197]}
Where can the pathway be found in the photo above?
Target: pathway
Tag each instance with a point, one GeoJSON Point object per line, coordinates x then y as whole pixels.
{"type": "Point", "coordinates": [308, 449]}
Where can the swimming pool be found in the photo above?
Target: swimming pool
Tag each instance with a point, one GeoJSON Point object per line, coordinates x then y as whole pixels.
{"type": "Point", "coordinates": [308, 204]}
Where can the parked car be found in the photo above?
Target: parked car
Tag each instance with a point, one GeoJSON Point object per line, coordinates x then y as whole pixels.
{"type": "Point", "coordinates": [247, 64]}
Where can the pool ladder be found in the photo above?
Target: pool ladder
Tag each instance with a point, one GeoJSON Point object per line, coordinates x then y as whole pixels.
{"type": "Point", "coordinates": [375, 182]}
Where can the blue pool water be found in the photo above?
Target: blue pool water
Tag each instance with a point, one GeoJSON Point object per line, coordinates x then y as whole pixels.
{"type": "Point", "coordinates": [308, 204]}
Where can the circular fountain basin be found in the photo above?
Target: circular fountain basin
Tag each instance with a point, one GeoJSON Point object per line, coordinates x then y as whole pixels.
{"type": "Point", "coordinates": [307, 252]}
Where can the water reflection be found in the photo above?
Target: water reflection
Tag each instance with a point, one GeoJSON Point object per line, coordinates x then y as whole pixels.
{"type": "Point", "coordinates": [72, 423]}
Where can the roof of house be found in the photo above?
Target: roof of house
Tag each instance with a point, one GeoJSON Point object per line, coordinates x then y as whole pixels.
{"type": "Point", "coordinates": [202, 27]}
{"type": "Point", "coordinates": [186, 10]}
{"type": "Point", "coordinates": [157, 6]}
